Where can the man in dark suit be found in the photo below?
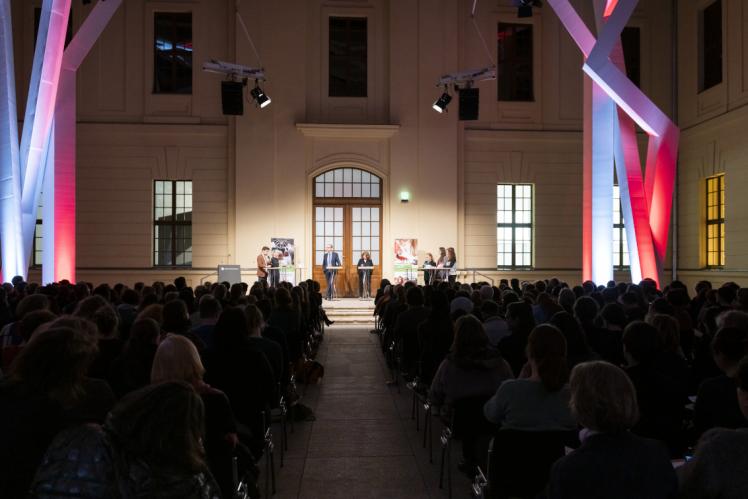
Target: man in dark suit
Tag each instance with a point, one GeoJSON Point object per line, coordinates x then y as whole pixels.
{"type": "Point", "coordinates": [331, 259]}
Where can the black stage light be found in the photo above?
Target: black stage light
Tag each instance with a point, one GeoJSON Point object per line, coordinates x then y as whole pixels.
{"type": "Point", "coordinates": [442, 102]}
{"type": "Point", "coordinates": [232, 98]}
{"type": "Point", "coordinates": [469, 102]}
{"type": "Point", "coordinates": [260, 97]}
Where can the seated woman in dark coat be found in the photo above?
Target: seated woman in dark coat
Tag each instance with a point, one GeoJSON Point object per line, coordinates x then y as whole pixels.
{"type": "Point", "coordinates": [612, 462]}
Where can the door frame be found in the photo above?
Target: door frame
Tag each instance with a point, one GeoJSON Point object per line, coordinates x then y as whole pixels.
{"type": "Point", "coordinates": [385, 260]}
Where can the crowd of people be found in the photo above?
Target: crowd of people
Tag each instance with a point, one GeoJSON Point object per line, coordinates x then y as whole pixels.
{"type": "Point", "coordinates": [651, 384]}
{"type": "Point", "coordinates": [149, 391]}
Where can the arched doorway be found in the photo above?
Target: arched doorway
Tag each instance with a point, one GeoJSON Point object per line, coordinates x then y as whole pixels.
{"type": "Point", "coordinates": [347, 210]}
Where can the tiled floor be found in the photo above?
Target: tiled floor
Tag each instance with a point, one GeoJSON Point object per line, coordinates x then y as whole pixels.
{"type": "Point", "coordinates": [363, 443]}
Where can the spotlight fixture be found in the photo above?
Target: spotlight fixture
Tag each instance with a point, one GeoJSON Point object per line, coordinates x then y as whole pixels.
{"type": "Point", "coordinates": [524, 7]}
{"type": "Point", "coordinates": [259, 96]}
{"type": "Point", "coordinates": [440, 106]}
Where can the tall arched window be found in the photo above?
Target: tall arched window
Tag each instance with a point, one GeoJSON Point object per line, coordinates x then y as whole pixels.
{"type": "Point", "coordinates": [347, 183]}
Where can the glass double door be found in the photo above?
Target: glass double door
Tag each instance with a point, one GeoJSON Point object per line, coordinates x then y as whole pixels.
{"type": "Point", "coordinates": [351, 229]}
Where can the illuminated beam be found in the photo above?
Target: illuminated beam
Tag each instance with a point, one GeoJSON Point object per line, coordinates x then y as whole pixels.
{"type": "Point", "coordinates": [646, 203]}
{"type": "Point", "coordinates": [60, 263]}
{"type": "Point", "coordinates": [40, 108]}
{"type": "Point", "coordinates": [11, 240]}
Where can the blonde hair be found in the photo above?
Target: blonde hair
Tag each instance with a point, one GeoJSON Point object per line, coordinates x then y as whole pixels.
{"type": "Point", "coordinates": [602, 397]}
{"type": "Point", "coordinates": [177, 360]}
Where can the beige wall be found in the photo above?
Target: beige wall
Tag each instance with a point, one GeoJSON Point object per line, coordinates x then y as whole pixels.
{"type": "Point", "coordinates": [713, 141]}
{"type": "Point", "coordinates": [252, 174]}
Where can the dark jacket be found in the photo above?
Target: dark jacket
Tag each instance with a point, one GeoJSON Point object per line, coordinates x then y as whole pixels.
{"type": "Point", "coordinates": [620, 466]}
{"type": "Point", "coordinates": [717, 405]}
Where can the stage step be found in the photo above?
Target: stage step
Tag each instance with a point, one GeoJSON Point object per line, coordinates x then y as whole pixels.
{"type": "Point", "coordinates": [349, 311]}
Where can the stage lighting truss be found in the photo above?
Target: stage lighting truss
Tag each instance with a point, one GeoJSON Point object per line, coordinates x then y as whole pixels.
{"type": "Point", "coordinates": [237, 72]}
{"type": "Point", "coordinates": [461, 79]}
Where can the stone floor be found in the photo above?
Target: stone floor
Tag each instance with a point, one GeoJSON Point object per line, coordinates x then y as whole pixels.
{"type": "Point", "coordinates": [364, 443]}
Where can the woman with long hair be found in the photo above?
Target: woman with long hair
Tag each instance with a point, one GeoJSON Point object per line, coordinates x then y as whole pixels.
{"type": "Point", "coordinates": [450, 262]}
{"type": "Point", "coordinates": [540, 402]}
{"type": "Point", "coordinates": [150, 446]}
{"type": "Point", "coordinates": [177, 359]}
{"type": "Point", "coordinates": [45, 392]}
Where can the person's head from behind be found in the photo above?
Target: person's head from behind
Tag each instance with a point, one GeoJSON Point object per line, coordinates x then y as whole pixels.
{"type": "Point", "coordinates": [31, 303]}
{"type": "Point", "coordinates": [33, 320]}
{"type": "Point", "coordinates": [89, 306]}
{"type": "Point", "coordinates": [144, 334]}
{"type": "Point", "coordinates": [176, 317]}
{"type": "Point", "coordinates": [546, 352]}
{"type": "Point", "coordinates": [162, 425]}
{"type": "Point", "coordinates": [585, 309]}
{"type": "Point", "coordinates": [614, 316]}
{"type": "Point", "coordinates": [519, 317]}
{"type": "Point", "coordinates": [177, 360]}
{"type": "Point", "coordinates": [640, 343]}
{"type": "Point", "coordinates": [231, 329]}
{"type": "Point", "coordinates": [209, 308]}
{"type": "Point", "coordinates": [470, 338]}
{"type": "Point", "coordinates": [414, 297]}
{"type": "Point", "coordinates": [742, 381]}
{"type": "Point", "coordinates": [733, 318]}
{"type": "Point", "coordinates": [55, 361]}
{"type": "Point", "coordinates": [668, 332]}
{"type": "Point", "coordinates": [283, 298]}
{"type": "Point", "coordinates": [255, 320]}
{"type": "Point", "coordinates": [180, 282]}
{"type": "Point", "coordinates": [107, 322]}
{"type": "Point", "coordinates": [603, 399]}
{"type": "Point", "coordinates": [729, 346]}
{"type": "Point", "coordinates": [489, 309]}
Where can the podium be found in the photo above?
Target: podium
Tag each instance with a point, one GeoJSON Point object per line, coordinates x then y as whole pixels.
{"type": "Point", "coordinates": [430, 271]}
{"type": "Point", "coordinates": [230, 273]}
{"type": "Point", "coordinates": [366, 292]}
{"type": "Point", "coordinates": [333, 279]}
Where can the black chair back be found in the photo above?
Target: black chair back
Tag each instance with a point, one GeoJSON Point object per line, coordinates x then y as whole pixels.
{"type": "Point", "coordinates": [468, 419]}
{"type": "Point", "coordinates": [520, 461]}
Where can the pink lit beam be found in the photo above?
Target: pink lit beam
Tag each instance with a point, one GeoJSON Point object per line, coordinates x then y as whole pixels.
{"type": "Point", "coordinates": [11, 240]}
{"type": "Point", "coordinates": [60, 262]}
{"type": "Point", "coordinates": [39, 111]}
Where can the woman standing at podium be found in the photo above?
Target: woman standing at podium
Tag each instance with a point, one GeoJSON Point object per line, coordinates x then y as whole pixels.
{"type": "Point", "coordinates": [428, 274]}
{"type": "Point", "coordinates": [451, 264]}
{"type": "Point", "coordinates": [364, 276]}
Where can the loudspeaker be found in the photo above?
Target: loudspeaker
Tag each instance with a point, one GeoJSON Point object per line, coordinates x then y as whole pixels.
{"type": "Point", "coordinates": [232, 98]}
{"type": "Point", "coordinates": [469, 99]}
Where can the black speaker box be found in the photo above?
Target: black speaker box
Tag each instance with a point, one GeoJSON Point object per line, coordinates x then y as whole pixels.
{"type": "Point", "coordinates": [469, 100]}
{"type": "Point", "coordinates": [232, 98]}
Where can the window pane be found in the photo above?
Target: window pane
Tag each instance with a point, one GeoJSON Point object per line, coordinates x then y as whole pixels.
{"type": "Point", "coordinates": [710, 46]}
{"type": "Point", "coordinates": [172, 53]}
{"type": "Point", "coordinates": [348, 57]}
{"type": "Point", "coordinates": [515, 62]}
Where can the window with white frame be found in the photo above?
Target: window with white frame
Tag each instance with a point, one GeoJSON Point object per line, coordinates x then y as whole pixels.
{"type": "Point", "coordinates": [514, 225]}
{"type": "Point", "coordinates": [620, 245]}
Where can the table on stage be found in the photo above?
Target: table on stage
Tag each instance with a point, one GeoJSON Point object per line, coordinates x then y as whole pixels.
{"type": "Point", "coordinates": [435, 272]}
{"type": "Point", "coordinates": [367, 270]}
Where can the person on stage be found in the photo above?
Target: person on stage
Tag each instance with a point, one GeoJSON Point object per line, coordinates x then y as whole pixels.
{"type": "Point", "coordinates": [451, 264]}
{"type": "Point", "coordinates": [364, 276]}
{"type": "Point", "coordinates": [442, 275]}
{"type": "Point", "coordinates": [331, 259]}
{"type": "Point", "coordinates": [274, 270]}
{"type": "Point", "coordinates": [428, 275]}
{"type": "Point", "coordinates": [263, 262]}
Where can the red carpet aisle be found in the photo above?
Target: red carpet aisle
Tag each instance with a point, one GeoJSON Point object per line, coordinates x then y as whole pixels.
{"type": "Point", "coordinates": [363, 443]}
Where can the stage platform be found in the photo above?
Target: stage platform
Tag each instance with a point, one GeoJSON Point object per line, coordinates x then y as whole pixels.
{"type": "Point", "coordinates": [351, 311]}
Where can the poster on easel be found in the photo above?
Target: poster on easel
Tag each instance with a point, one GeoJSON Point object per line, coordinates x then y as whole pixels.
{"type": "Point", "coordinates": [406, 261]}
{"type": "Point", "coordinates": [283, 251]}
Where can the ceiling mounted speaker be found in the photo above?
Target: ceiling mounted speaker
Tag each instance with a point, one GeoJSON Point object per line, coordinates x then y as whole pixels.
{"type": "Point", "coordinates": [469, 101]}
{"type": "Point", "coordinates": [232, 98]}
